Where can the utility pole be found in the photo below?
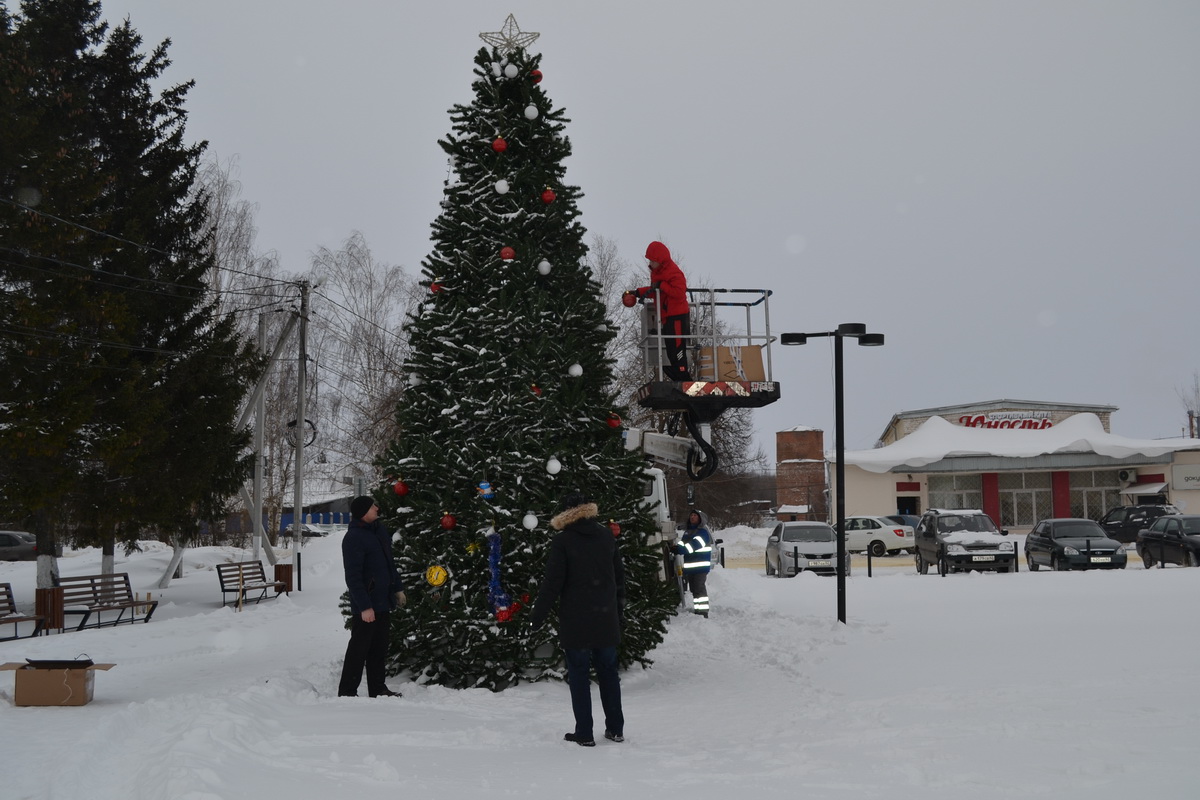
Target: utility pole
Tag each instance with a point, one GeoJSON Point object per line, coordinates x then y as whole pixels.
{"type": "Point", "coordinates": [260, 416]}
{"type": "Point", "coordinates": [301, 435]}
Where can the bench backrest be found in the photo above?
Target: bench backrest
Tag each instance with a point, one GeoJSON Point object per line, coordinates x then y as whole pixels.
{"type": "Point", "coordinates": [7, 606]}
{"type": "Point", "coordinates": [251, 571]}
{"type": "Point", "coordinates": [96, 590]}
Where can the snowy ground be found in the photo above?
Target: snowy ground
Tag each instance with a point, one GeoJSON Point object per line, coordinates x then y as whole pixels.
{"type": "Point", "coordinates": [1054, 685]}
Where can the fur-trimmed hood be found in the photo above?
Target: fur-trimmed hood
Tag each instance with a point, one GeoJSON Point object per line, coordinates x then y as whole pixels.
{"type": "Point", "coordinates": [585, 511]}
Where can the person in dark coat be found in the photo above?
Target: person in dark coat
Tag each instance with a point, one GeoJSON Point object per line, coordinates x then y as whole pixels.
{"type": "Point", "coordinates": [375, 589]}
{"type": "Point", "coordinates": [696, 547]}
{"type": "Point", "coordinates": [586, 577]}
{"type": "Point", "coordinates": [674, 314]}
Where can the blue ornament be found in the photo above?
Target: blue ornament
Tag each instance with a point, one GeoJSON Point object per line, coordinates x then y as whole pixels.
{"type": "Point", "coordinates": [498, 598]}
{"type": "Point", "coordinates": [485, 490]}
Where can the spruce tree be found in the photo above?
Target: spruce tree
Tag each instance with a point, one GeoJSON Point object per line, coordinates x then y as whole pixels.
{"type": "Point", "coordinates": [509, 404]}
{"type": "Point", "coordinates": [120, 385]}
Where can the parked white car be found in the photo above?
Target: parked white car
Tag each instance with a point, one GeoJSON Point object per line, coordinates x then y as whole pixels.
{"type": "Point", "coordinates": [879, 535]}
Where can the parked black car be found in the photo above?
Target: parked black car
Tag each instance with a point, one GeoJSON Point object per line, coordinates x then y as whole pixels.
{"type": "Point", "coordinates": [1070, 543]}
{"type": "Point", "coordinates": [1171, 539]}
{"type": "Point", "coordinates": [953, 540]}
{"type": "Point", "coordinates": [1123, 522]}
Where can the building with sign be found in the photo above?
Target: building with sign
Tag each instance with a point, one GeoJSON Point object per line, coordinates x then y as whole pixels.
{"type": "Point", "coordinates": [1019, 461]}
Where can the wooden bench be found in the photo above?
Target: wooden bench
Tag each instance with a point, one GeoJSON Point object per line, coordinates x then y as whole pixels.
{"type": "Point", "coordinates": [89, 595]}
{"type": "Point", "coordinates": [243, 578]}
{"type": "Point", "coordinates": [8, 614]}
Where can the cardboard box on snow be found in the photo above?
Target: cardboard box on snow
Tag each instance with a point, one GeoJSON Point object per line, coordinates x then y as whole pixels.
{"type": "Point", "coordinates": [734, 363]}
{"type": "Point", "coordinates": [38, 686]}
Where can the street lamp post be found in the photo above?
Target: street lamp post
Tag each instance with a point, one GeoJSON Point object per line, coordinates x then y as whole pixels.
{"type": "Point", "coordinates": [853, 330]}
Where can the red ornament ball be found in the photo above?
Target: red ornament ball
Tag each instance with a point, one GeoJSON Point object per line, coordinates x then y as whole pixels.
{"type": "Point", "coordinates": [448, 521]}
{"type": "Point", "coordinates": [400, 488]}
{"type": "Point", "coordinates": [548, 196]}
{"type": "Point", "coordinates": [629, 299]}
{"type": "Point", "coordinates": [537, 390]}
{"type": "Point", "coordinates": [614, 527]}
{"type": "Point", "coordinates": [536, 76]}
{"type": "Point", "coordinates": [435, 287]}
{"type": "Point", "coordinates": [499, 145]}
{"type": "Point", "coordinates": [614, 421]}
{"type": "Point", "coordinates": [507, 253]}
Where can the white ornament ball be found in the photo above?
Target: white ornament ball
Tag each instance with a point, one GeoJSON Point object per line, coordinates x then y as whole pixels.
{"type": "Point", "coordinates": [529, 521]}
{"type": "Point", "coordinates": [501, 186]}
{"type": "Point", "coordinates": [544, 267]}
{"type": "Point", "coordinates": [574, 370]}
{"type": "Point", "coordinates": [511, 71]}
{"type": "Point", "coordinates": [531, 112]}
{"type": "Point", "coordinates": [553, 466]}
{"type": "Point", "coordinates": [496, 69]}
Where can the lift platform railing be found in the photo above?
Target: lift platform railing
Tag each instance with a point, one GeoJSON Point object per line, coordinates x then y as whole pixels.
{"type": "Point", "coordinates": [712, 327]}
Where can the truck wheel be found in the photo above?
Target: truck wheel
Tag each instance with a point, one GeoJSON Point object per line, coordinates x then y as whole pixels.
{"type": "Point", "coordinates": [922, 565]}
{"type": "Point", "coordinates": [943, 566]}
{"type": "Point", "coordinates": [878, 549]}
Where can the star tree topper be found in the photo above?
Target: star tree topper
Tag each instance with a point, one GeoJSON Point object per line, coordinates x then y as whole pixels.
{"type": "Point", "coordinates": [510, 37]}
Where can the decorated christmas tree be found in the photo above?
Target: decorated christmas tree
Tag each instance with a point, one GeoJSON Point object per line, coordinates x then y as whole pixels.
{"type": "Point", "coordinates": [509, 402]}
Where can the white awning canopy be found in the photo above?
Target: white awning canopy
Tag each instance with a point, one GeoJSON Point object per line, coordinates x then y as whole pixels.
{"type": "Point", "coordinates": [1145, 488]}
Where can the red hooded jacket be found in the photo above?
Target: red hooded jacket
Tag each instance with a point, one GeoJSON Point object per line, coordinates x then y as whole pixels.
{"type": "Point", "coordinates": [668, 278]}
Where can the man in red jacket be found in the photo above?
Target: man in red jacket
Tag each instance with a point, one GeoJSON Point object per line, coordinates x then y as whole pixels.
{"type": "Point", "coordinates": [668, 279]}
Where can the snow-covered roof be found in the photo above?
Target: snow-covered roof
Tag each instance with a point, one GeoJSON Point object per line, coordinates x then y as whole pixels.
{"type": "Point", "coordinates": [937, 439]}
{"type": "Point", "coordinates": [791, 510]}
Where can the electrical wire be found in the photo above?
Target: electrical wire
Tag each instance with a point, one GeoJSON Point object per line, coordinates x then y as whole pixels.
{"type": "Point", "coordinates": [114, 237]}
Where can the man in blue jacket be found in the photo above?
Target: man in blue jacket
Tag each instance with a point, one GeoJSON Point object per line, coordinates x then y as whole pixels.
{"type": "Point", "coordinates": [696, 547]}
{"type": "Point", "coordinates": [375, 589]}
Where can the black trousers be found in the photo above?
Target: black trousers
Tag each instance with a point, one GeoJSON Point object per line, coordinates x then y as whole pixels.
{"type": "Point", "coordinates": [368, 648]}
{"type": "Point", "coordinates": [675, 331]}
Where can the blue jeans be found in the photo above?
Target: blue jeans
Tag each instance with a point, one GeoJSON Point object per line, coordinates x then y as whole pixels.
{"type": "Point", "coordinates": [579, 663]}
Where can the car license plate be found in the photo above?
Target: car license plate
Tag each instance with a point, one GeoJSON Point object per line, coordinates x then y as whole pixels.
{"type": "Point", "coordinates": [1101, 559]}
{"type": "Point", "coordinates": [983, 558]}
{"type": "Point", "coordinates": [820, 563]}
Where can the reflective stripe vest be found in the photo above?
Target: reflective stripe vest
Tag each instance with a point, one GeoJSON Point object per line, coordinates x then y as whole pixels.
{"type": "Point", "coordinates": [697, 551]}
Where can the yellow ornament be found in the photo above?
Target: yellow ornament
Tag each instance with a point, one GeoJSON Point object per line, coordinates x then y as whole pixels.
{"type": "Point", "coordinates": [436, 576]}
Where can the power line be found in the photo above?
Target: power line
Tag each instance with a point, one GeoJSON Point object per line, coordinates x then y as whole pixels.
{"type": "Point", "coordinates": [267, 283]}
{"type": "Point", "coordinates": [356, 315]}
{"type": "Point", "coordinates": [116, 238]}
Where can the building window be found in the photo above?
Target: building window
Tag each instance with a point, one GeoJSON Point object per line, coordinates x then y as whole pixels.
{"type": "Point", "coordinates": [955, 491]}
{"type": "Point", "coordinates": [1094, 493]}
{"type": "Point", "coordinates": [1025, 498]}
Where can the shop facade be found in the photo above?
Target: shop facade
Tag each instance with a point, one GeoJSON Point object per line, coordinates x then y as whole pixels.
{"type": "Point", "coordinates": [1020, 462]}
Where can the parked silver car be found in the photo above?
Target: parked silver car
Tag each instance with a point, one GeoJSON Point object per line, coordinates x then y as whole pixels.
{"type": "Point", "coordinates": [794, 547]}
{"type": "Point", "coordinates": [18, 546]}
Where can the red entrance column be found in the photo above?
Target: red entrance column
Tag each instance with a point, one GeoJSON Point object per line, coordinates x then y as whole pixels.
{"type": "Point", "coordinates": [990, 486]}
{"type": "Point", "coordinates": [1060, 493]}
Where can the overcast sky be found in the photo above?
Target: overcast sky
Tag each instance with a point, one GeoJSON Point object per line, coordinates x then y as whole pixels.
{"type": "Point", "coordinates": [1008, 190]}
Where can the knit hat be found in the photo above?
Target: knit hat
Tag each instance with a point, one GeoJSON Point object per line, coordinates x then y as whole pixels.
{"type": "Point", "coordinates": [361, 505]}
{"type": "Point", "coordinates": [572, 499]}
